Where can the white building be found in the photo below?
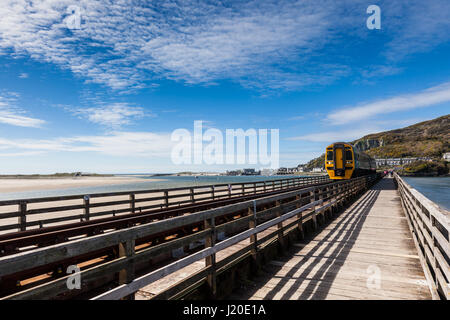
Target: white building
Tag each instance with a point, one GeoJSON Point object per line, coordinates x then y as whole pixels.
{"type": "Point", "coordinates": [446, 156]}
{"type": "Point", "coordinates": [399, 161]}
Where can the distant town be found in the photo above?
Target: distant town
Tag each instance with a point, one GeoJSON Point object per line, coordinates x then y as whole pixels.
{"type": "Point", "coordinates": [381, 163]}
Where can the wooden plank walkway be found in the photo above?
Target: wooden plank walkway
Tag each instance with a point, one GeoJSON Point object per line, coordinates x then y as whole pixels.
{"type": "Point", "coordinates": [367, 252]}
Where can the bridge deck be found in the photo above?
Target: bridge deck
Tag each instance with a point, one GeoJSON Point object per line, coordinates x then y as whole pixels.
{"type": "Point", "coordinates": [367, 252]}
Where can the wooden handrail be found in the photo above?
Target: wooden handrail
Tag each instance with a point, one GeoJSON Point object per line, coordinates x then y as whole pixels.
{"type": "Point", "coordinates": [327, 196]}
{"type": "Point", "coordinates": [430, 227]}
{"type": "Point", "coordinates": [75, 207]}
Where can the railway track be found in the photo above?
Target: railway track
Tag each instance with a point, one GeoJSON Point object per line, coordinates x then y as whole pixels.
{"type": "Point", "coordinates": [18, 242]}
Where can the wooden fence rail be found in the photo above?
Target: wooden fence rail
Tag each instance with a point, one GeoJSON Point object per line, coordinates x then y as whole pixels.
{"type": "Point", "coordinates": [430, 228]}
{"type": "Point", "coordinates": [25, 214]}
{"type": "Point", "coordinates": [286, 211]}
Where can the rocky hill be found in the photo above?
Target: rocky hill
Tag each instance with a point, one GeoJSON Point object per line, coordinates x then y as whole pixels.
{"type": "Point", "coordinates": [425, 139]}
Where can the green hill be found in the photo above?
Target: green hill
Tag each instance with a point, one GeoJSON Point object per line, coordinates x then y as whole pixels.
{"type": "Point", "coordinates": [425, 139]}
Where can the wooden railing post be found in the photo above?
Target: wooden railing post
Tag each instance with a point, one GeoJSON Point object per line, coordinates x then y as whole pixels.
{"type": "Point", "coordinates": [253, 238]}
{"type": "Point", "coordinates": [191, 191]}
{"type": "Point", "coordinates": [86, 200]}
{"type": "Point", "coordinates": [126, 275]}
{"type": "Point", "coordinates": [210, 261]}
{"type": "Point", "coordinates": [132, 203]}
{"type": "Point", "coordinates": [280, 226]}
{"type": "Point", "coordinates": [166, 198]}
{"type": "Point", "coordinates": [312, 197]}
{"type": "Point", "coordinates": [23, 216]}
{"type": "Point", "coordinates": [299, 217]}
{"type": "Point", "coordinates": [335, 197]}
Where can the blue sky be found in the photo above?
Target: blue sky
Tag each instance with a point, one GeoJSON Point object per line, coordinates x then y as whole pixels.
{"type": "Point", "coordinates": [106, 97]}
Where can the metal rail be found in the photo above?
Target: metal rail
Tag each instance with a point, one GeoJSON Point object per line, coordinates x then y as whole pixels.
{"type": "Point", "coordinates": [430, 227]}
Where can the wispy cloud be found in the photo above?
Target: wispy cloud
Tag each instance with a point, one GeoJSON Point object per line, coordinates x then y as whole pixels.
{"type": "Point", "coordinates": [338, 135]}
{"type": "Point", "coordinates": [296, 118]}
{"type": "Point", "coordinates": [114, 115]}
{"type": "Point", "coordinates": [137, 144]}
{"type": "Point", "coordinates": [432, 96]}
{"type": "Point", "coordinates": [278, 45]}
{"type": "Point", "coordinates": [414, 26]}
{"type": "Point", "coordinates": [12, 115]}
{"type": "Point", "coordinates": [23, 76]}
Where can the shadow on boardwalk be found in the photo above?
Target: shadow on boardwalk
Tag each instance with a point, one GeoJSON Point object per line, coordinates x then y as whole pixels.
{"type": "Point", "coordinates": [317, 282]}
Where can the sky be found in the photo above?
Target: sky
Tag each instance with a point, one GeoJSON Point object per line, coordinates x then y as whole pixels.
{"type": "Point", "coordinates": [101, 85]}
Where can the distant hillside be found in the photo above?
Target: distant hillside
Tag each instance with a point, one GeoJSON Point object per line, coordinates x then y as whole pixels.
{"type": "Point", "coordinates": [425, 139]}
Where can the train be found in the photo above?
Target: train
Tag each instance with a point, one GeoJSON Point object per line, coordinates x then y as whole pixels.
{"type": "Point", "coordinates": [344, 161]}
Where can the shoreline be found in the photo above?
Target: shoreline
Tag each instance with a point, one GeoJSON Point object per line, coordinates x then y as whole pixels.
{"type": "Point", "coordinates": [8, 185]}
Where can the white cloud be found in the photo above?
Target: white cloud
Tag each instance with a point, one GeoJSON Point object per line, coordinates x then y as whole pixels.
{"type": "Point", "coordinates": [23, 75]}
{"type": "Point", "coordinates": [114, 115]}
{"type": "Point", "coordinates": [338, 135]}
{"type": "Point", "coordinates": [20, 154]}
{"type": "Point", "coordinates": [136, 144]}
{"type": "Point", "coordinates": [12, 115]}
{"type": "Point", "coordinates": [414, 26]}
{"type": "Point", "coordinates": [122, 45]}
{"type": "Point", "coordinates": [264, 44]}
{"type": "Point", "coordinates": [297, 118]}
{"type": "Point", "coordinates": [432, 96]}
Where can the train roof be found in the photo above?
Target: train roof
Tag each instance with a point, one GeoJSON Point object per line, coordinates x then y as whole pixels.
{"type": "Point", "coordinates": [341, 143]}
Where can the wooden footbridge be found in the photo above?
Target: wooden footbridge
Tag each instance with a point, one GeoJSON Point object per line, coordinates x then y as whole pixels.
{"type": "Point", "coordinates": [303, 238]}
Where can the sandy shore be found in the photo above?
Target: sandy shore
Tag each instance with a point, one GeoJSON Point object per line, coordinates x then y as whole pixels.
{"type": "Point", "coordinates": [20, 185]}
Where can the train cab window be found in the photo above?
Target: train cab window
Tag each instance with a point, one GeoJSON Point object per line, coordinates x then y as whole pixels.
{"type": "Point", "coordinates": [330, 155]}
{"type": "Point", "coordinates": [348, 155]}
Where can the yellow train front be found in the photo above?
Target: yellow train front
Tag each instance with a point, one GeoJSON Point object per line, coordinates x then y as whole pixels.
{"type": "Point", "coordinates": [344, 161]}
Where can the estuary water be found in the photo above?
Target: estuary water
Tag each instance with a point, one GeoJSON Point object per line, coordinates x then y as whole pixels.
{"type": "Point", "coordinates": [437, 189]}
{"type": "Point", "coordinates": [147, 183]}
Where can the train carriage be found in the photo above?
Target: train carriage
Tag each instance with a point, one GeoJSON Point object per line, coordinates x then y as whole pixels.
{"type": "Point", "coordinates": [344, 161]}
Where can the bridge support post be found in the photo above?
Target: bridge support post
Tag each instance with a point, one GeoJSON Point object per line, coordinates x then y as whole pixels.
{"type": "Point", "coordinates": [210, 261]}
{"type": "Point", "coordinates": [126, 249]}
